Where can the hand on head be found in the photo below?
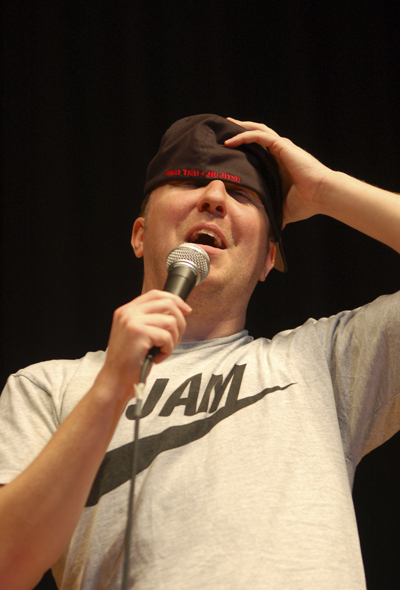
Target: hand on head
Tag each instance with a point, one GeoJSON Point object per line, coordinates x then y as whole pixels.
{"type": "Point", "coordinates": [302, 174]}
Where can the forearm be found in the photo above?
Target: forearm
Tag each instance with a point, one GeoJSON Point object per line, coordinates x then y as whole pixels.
{"type": "Point", "coordinates": [39, 510]}
{"type": "Point", "coordinates": [369, 209]}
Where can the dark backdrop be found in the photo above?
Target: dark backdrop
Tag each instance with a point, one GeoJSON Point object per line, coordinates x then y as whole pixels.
{"type": "Point", "coordinates": [88, 89]}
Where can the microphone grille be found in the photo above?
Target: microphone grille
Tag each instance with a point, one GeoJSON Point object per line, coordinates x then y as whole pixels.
{"type": "Point", "coordinates": [193, 255]}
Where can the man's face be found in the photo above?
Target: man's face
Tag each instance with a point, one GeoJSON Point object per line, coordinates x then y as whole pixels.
{"type": "Point", "coordinates": [229, 222]}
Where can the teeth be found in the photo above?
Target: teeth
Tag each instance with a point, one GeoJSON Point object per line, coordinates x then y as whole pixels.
{"type": "Point", "coordinates": [208, 232]}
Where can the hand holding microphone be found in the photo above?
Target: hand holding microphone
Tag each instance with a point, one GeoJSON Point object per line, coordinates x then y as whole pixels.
{"type": "Point", "coordinates": [151, 318]}
{"type": "Point", "coordinates": [187, 265]}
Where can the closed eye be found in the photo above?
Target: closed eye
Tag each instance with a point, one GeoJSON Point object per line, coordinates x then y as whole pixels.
{"type": "Point", "coordinates": [244, 196]}
{"type": "Point", "coordinates": [189, 185]}
{"type": "Point", "coordinates": [185, 184]}
{"type": "Point", "coordinates": [240, 194]}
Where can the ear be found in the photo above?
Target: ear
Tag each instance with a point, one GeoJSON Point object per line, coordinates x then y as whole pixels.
{"type": "Point", "coordinates": [269, 261]}
{"type": "Point", "coordinates": [137, 237]}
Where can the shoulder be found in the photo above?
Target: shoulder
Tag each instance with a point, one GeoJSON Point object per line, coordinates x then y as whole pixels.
{"type": "Point", "coordinates": [373, 322]}
{"type": "Point", "coordinates": [62, 381]}
{"type": "Point", "coordinates": [46, 373]}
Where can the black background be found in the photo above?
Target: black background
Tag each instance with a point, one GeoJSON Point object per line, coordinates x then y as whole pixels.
{"type": "Point", "coordinates": [88, 89]}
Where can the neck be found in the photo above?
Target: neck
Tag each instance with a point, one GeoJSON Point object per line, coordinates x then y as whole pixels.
{"type": "Point", "coordinates": [198, 328]}
{"type": "Point", "coordinates": [209, 321]}
{"type": "Point", "coordinates": [216, 320]}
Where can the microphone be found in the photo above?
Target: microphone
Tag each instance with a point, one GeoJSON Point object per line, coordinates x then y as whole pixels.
{"type": "Point", "coordinates": [187, 265]}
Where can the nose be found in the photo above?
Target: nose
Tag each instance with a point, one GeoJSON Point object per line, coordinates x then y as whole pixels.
{"type": "Point", "coordinates": [213, 198]}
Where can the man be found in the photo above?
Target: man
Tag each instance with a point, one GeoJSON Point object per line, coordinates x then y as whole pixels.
{"type": "Point", "coordinates": [248, 448]}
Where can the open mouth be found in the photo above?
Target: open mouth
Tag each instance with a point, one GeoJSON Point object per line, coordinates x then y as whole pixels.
{"type": "Point", "coordinates": [206, 237]}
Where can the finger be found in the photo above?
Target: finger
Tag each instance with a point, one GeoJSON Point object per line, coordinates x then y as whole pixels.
{"type": "Point", "coordinates": [162, 339]}
{"type": "Point", "coordinates": [251, 125]}
{"type": "Point", "coordinates": [265, 138]}
{"type": "Point", "coordinates": [165, 306]}
{"type": "Point", "coordinates": [169, 323]}
{"type": "Point", "coordinates": [165, 310]}
{"type": "Point", "coordinates": [156, 294]}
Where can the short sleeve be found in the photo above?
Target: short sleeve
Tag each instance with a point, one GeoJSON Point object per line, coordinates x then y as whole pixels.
{"type": "Point", "coordinates": [363, 354]}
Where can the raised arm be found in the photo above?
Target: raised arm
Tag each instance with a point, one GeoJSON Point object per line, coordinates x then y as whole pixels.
{"type": "Point", "coordinates": [39, 510]}
{"type": "Point", "coordinates": [311, 188]}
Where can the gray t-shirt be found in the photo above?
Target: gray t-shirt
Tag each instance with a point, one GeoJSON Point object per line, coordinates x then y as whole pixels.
{"type": "Point", "coordinates": [247, 455]}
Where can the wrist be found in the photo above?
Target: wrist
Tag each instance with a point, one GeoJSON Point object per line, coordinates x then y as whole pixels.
{"type": "Point", "coordinates": [332, 185]}
{"type": "Point", "coordinates": [110, 394]}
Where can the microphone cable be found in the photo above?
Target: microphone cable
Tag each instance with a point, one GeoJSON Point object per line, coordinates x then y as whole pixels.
{"type": "Point", "coordinates": [135, 453]}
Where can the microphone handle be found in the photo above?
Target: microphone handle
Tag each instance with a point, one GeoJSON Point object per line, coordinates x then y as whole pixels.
{"type": "Point", "coordinates": [180, 281]}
